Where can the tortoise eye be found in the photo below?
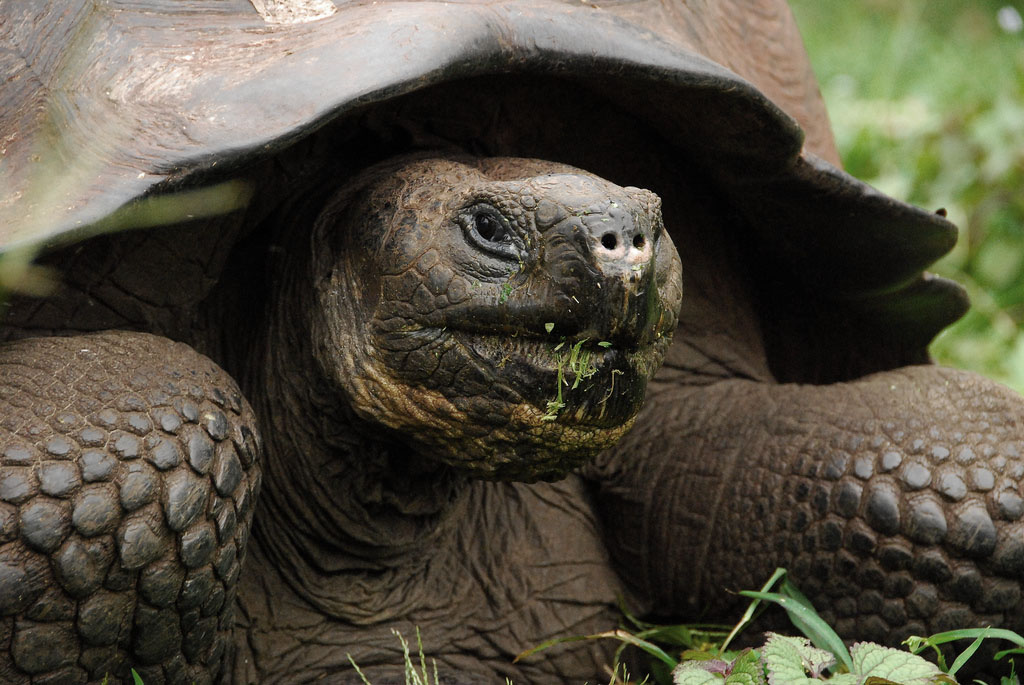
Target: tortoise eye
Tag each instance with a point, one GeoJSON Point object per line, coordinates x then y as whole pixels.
{"type": "Point", "coordinates": [488, 230]}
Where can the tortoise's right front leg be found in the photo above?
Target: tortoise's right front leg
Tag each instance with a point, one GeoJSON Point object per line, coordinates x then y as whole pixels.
{"type": "Point", "coordinates": [128, 476]}
{"type": "Point", "coordinates": [894, 499]}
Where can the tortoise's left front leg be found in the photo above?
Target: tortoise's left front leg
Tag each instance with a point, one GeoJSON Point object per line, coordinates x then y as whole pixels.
{"type": "Point", "coordinates": [895, 500]}
{"type": "Point", "coordinates": [128, 472]}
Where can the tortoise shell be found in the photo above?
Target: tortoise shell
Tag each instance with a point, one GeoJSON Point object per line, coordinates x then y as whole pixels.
{"type": "Point", "coordinates": [107, 104]}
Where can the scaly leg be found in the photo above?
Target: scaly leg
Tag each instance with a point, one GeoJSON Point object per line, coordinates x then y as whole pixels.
{"type": "Point", "coordinates": [128, 474]}
{"type": "Point", "coordinates": [895, 500]}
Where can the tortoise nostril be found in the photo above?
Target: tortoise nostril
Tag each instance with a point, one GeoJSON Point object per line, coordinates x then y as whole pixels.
{"type": "Point", "coordinates": [609, 241]}
{"type": "Point", "coordinates": [638, 241]}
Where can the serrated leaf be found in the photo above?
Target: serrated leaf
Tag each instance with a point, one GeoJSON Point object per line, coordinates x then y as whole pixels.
{"type": "Point", "coordinates": [885, 663]}
{"type": "Point", "coordinates": [744, 679]}
{"type": "Point", "coordinates": [791, 660]}
{"type": "Point", "coordinates": [693, 673]}
{"type": "Point", "coordinates": [747, 669]}
{"type": "Point", "coordinates": [782, 671]}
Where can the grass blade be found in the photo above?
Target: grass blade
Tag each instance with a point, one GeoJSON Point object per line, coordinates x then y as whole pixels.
{"type": "Point", "coordinates": [354, 665]}
{"type": "Point", "coordinates": [916, 643]}
{"type": "Point", "coordinates": [967, 654]}
{"type": "Point", "coordinates": [652, 649]}
{"type": "Point", "coordinates": [748, 615]}
{"type": "Point", "coordinates": [808, 621]}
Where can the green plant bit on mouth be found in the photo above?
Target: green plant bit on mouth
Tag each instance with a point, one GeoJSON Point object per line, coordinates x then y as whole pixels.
{"type": "Point", "coordinates": [506, 290]}
{"type": "Point", "coordinates": [555, 405]}
{"type": "Point", "coordinates": [580, 362]}
{"type": "Point", "coordinates": [550, 326]}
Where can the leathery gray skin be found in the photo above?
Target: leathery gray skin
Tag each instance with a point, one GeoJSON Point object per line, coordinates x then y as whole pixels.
{"type": "Point", "coordinates": [399, 380]}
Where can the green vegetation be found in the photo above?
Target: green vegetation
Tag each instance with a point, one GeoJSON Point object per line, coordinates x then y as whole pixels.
{"type": "Point", "coordinates": [700, 655]}
{"type": "Point", "coordinates": [704, 657]}
{"type": "Point", "coordinates": [927, 102]}
{"type": "Point", "coordinates": [413, 675]}
{"type": "Point", "coordinates": [577, 360]}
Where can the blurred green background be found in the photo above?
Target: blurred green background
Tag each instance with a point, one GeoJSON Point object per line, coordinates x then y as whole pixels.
{"type": "Point", "coordinates": [926, 99]}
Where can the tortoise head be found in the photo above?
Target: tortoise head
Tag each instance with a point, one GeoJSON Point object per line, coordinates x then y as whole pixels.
{"type": "Point", "coordinates": [503, 315]}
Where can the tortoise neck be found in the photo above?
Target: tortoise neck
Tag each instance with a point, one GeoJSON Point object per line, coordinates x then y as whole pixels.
{"type": "Point", "coordinates": [341, 500]}
{"type": "Point", "coordinates": [330, 480]}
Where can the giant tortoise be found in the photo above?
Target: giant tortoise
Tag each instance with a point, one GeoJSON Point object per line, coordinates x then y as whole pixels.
{"type": "Point", "coordinates": [411, 379]}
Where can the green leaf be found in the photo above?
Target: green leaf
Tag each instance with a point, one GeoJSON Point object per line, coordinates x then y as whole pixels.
{"type": "Point", "coordinates": [136, 678]}
{"type": "Point", "coordinates": [888, 664]}
{"type": "Point", "coordinates": [550, 326]}
{"type": "Point", "coordinates": [747, 669]}
{"type": "Point", "coordinates": [604, 343]}
{"type": "Point", "coordinates": [790, 660]}
{"type": "Point", "coordinates": [691, 673]}
{"type": "Point", "coordinates": [813, 625]}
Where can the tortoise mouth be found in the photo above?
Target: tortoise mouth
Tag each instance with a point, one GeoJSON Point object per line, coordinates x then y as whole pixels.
{"type": "Point", "coordinates": [573, 380]}
{"type": "Point", "coordinates": [502, 406]}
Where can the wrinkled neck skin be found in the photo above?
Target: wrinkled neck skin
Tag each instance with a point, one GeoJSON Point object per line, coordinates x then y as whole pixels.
{"type": "Point", "coordinates": [341, 503]}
